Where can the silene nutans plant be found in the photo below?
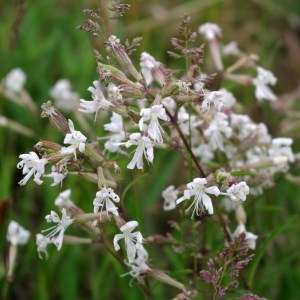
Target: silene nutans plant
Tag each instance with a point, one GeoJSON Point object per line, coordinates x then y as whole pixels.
{"type": "Point", "coordinates": [172, 159]}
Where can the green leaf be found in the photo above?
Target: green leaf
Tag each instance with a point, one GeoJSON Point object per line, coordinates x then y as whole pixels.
{"type": "Point", "coordinates": [264, 246]}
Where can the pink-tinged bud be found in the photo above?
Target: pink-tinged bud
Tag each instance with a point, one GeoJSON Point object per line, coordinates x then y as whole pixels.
{"type": "Point", "coordinates": [113, 44]}
{"type": "Point", "coordinates": [41, 146]}
{"type": "Point", "coordinates": [55, 117]}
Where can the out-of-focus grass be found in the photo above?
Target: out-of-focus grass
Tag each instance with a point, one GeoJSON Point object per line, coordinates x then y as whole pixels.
{"type": "Point", "coordinates": [40, 37]}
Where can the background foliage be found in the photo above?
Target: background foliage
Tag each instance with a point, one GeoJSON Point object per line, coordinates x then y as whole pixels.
{"type": "Point", "coordinates": [41, 38]}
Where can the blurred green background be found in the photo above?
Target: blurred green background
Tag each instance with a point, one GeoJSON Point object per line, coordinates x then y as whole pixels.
{"type": "Point", "coordinates": [41, 38]}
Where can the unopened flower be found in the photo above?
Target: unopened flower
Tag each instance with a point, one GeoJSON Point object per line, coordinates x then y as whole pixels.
{"type": "Point", "coordinates": [16, 234]}
{"type": "Point", "coordinates": [133, 240]}
{"type": "Point", "coordinates": [199, 191]}
{"type": "Point", "coordinates": [153, 114]}
{"type": "Point", "coordinates": [32, 165]}
{"type": "Point", "coordinates": [238, 192]}
{"type": "Point", "coordinates": [57, 231]}
{"type": "Point", "coordinates": [41, 243]}
{"type": "Point", "coordinates": [106, 198]}
{"type": "Point", "coordinates": [250, 237]}
{"type": "Point", "coordinates": [170, 195]}
{"type": "Point", "coordinates": [261, 82]}
{"type": "Point", "coordinates": [76, 140]}
{"type": "Point", "coordinates": [15, 80]}
{"type": "Point", "coordinates": [97, 103]}
{"type": "Point", "coordinates": [144, 148]}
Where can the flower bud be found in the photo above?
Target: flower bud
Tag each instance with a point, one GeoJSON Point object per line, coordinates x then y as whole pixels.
{"type": "Point", "coordinates": [55, 117]}
{"type": "Point", "coordinates": [122, 57]}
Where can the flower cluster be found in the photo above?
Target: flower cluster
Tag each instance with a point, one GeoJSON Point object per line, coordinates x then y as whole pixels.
{"type": "Point", "coordinates": [225, 154]}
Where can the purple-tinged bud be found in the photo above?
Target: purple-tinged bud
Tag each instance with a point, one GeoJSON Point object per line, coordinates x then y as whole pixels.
{"type": "Point", "coordinates": [113, 44]}
{"type": "Point", "coordinates": [55, 117]}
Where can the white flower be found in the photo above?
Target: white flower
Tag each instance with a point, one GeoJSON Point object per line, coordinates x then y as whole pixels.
{"type": "Point", "coordinates": [218, 130]}
{"type": "Point", "coordinates": [32, 165]}
{"type": "Point", "coordinates": [144, 148]}
{"type": "Point", "coordinates": [227, 98]}
{"type": "Point", "coordinates": [57, 231]}
{"type": "Point", "coordinates": [139, 265]}
{"type": "Point", "coordinates": [210, 30]}
{"type": "Point", "coordinates": [106, 197]}
{"type": "Point", "coordinates": [98, 102]}
{"type": "Point", "coordinates": [56, 176]}
{"type": "Point", "coordinates": [63, 200]}
{"type": "Point", "coordinates": [170, 195]}
{"type": "Point", "coordinates": [282, 147]}
{"type": "Point", "coordinates": [250, 237]}
{"type": "Point", "coordinates": [76, 140]}
{"type": "Point", "coordinates": [41, 243]}
{"type": "Point", "coordinates": [15, 80]}
{"type": "Point", "coordinates": [115, 125]}
{"type": "Point", "coordinates": [238, 192]}
{"type": "Point", "coordinates": [214, 98]}
{"type": "Point", "coordinates": [231, 49]}
{"type": "Point", "coordinates": [263, 78]}
{"type": "Point", "coordinates": [64, 97]}
{"type": "Point", "coordinates": [198, 190]}
{"type": "Point", "coordinates": [133, 240]}
{"type": "Point", "coordinates": [16, 234]}
{"type": "Point", "coordinates": [153, 114]}
{"type": "Point", "coordinates": [150, 69]}
{"type": "Point", "coordinates": [114, 92]}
